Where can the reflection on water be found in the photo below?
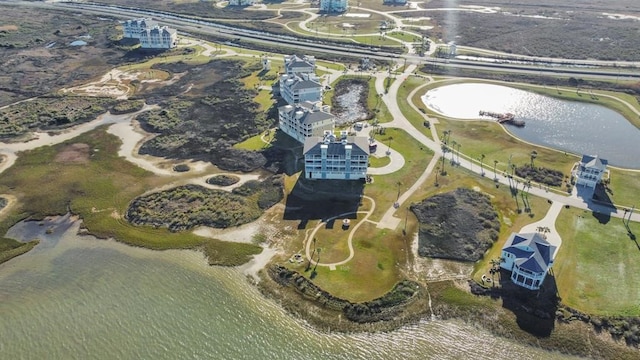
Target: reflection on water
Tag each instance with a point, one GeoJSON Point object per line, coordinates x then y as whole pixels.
{"type": "Point", "coordinates": [572, 126]}
{"type": "Point", "coordinates": [80, 298]}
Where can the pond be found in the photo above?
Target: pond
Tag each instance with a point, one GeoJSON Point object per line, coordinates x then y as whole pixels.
{"type": "Point", "coordinates": [572, 126]}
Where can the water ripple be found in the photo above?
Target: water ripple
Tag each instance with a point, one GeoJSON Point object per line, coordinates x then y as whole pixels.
{"type": "Point", "coordinates": [572, 126]}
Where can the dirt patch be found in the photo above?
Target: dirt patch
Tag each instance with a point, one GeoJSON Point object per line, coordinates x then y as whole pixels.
{"type": "Point", "coordinates": [8, 28]}
{"type": "Point", "coordinates": [74, 154]}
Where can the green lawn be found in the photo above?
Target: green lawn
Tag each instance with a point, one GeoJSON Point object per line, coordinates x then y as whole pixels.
{"type": "Point", "coordinates": [415, 118]}
{"type": "Point", "coordinates": [257, 142]}
{"type": "Point", "coordinates": [625, 185]}
{"type": "Point", "coordinates": [378, 162]}
{"type": "Point", "coordinates": [372, 272]}
{"type": "Point", "coordinates": [598, 265]}
{"type": "Point", "coordinates": [385, 187]}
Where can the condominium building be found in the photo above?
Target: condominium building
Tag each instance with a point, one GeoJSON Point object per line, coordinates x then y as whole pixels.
{"type": "Point", "coordinates": [305, 120]}
{"type": "Point", "coordinates": [339, 157]}
{"type": "Point", "coordinates": [334, 5]}
{"type": "Point", "coordinates": [158, 37]}
{"type": "Point", "coordinates": [300, 87]}
{"type": "Point", "coordinates": [294, 64]}
{"type": "Point", "coordinates": [133, 28]}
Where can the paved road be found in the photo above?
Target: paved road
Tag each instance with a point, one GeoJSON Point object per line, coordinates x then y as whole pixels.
{"type": "Point", "coordinates": [390, 220]}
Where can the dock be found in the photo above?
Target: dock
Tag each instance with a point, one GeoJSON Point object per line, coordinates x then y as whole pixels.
{"type": "Point", "coordinates": [503, 118]}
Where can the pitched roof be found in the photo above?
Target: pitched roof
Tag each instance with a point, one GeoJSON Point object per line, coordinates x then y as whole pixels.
{"type": "Point", "coordinates": [359, 145]}
{"type": "Point", "coordinates": [305, 84]}
{"type": "Point", "coordinates": [531, 250]}
{"type": "Point", "coordinates": [594, 162]}
{"type": "Point", "coordinates": [309, 114]}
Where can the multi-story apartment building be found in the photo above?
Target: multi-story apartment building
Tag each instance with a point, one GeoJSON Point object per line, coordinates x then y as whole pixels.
{"type": "Point", "coordinates": [334, 5]}
{"type": "Point", "coordinates": [297, 88]}
{"type": "Point", "coordinates": [305, 120]}
{"type": "Point", "coordinates": [133, 28]}
{"type": "Point", "coordinates": [336, 157]}
{"type": "Point", "coordinates": [158, 37]}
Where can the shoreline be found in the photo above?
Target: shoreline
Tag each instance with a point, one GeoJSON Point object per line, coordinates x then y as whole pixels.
{"type": "Point", "coordinates": [427, 304]}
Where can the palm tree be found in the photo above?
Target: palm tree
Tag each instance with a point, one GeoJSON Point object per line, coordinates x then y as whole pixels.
{"type": "Point", "coordinates": [481, 163]}
{"type": "Point", "coordinates": [437, 171]}
{"type": "Point", "coordinates": [495, 174]}
{"type": "Point", "coordinates": [444, 154]}
{"type": "Point", "coordinates": [534, 155]}
{"type": "Point", "coordinates": [453, 146]}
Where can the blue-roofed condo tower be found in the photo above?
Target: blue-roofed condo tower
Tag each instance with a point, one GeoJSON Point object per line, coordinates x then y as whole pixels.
{"type": "Point", "coordinates": [330, 6]}
{"type": "Point", "coordinates": [529, 257]}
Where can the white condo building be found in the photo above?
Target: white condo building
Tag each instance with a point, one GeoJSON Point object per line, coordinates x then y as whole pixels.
{"type": "Point", "coordinates": [158, 37]}
{"type": "Point", "coordinates": [305, 120]}
{"type": "Point", "coordinates": [294, 64]}
{"type": "Point", "coordinates": [336, 157]}
{"type": "Point", "coordinates": [133, 28]}
{"type": "Point", "coordinates": [297, 88]}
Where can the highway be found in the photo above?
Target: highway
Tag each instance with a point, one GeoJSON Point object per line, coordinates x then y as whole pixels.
{"type": "Point", "coordinates": [602, 70]}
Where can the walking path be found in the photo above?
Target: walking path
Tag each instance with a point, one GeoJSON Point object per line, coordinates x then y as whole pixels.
{"type": "Point", "coordinates": [332, 266]}
{"type": "Point", "coordinates": [397, 162]}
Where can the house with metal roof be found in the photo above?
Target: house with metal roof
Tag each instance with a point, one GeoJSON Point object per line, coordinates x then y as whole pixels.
{"type": "Point", "coordinates": [305, 120]}
{"type": "Point", "coordinates": [134, 27]}
{"type": "Point", "coordinates": [334, 156]}
{"type": "Point", "coordinates": [590, 170]}
{"type": "Point", "coordinates": [529, 257]}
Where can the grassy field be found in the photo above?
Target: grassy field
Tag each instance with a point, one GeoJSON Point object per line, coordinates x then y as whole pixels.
{"type": "Point", "coordinates": [98, 186]}
{"type": "Point", "coordinates": [625, 185]}
{"type": "Point", "coordinates": [385, 188]}
{"type": "Point", "coordinates": [371, 273]}
{"type": "Point", "coordinates": [503, 202]}
{"type": "Point", "coordinates": [257, 142]}
{"type": "Point", "coordinates": [415, 118]}
{"type": "Point", "coordinates": [377, 162]}
{"type": "Point", "coordinates": [598, 265]}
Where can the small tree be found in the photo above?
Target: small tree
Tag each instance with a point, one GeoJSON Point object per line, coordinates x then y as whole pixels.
{"type": "Point", "coordinates": [534, 155]}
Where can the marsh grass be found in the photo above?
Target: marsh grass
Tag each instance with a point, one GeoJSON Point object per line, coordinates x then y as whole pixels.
{"type": "Point", "coordinates": [98, 189]}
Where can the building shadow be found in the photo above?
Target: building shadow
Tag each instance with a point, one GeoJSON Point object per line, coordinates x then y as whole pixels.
{"type": "Point", "coordinates": [598, 201]}
{"type": "Point", "coordinates": [284, 155]}
{"type": "Point", "coordinates": [534, 309]}
{"type": "Point", "coordinates": [323, 200]}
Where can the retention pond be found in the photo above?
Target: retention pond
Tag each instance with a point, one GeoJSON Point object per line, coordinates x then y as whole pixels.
{"type": "Point", "coordinates": [572, 126]}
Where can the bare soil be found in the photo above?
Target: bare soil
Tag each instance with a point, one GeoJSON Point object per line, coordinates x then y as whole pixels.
{"type": "Point", "coordinates": [77, 153]}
